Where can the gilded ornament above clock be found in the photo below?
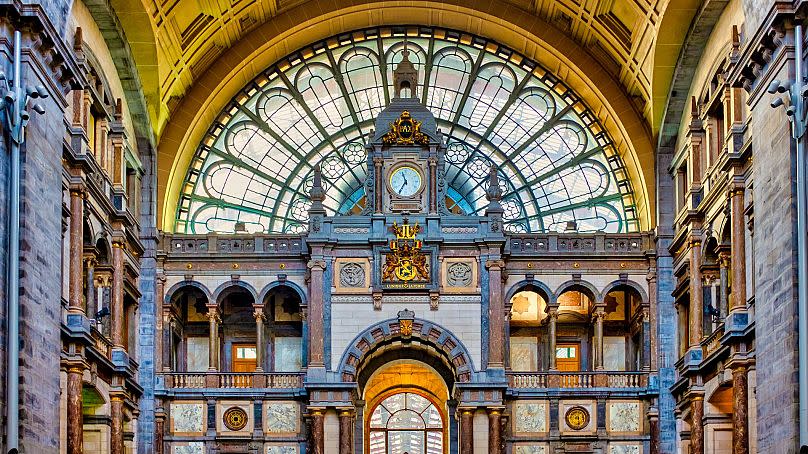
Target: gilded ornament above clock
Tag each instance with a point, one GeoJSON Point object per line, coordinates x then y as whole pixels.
{"type": "Point", "coordinates": [405, 131]}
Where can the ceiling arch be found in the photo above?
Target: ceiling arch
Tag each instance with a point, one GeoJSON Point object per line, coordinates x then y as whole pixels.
{"type": "Point", "coordinates": [529, 35]}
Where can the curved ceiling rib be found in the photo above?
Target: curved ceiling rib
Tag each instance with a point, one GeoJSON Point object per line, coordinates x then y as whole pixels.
{"type": "Point", "coordinates": [318, 106]}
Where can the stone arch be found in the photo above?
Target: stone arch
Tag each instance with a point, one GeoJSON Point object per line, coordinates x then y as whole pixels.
{"type": "Point", "coordinates": [628, 283]}
{"type": "Point", "coordinates": [581, 285]}
{"type": "Point", "coordinates": [531, 284]}
{"type": "Point", "coordinates": [273, 285]}
{"type": "Point", "coordinates": [187, 283]}
{"type": "Point", "coordinates": [225, 286]}
{"type": "Point", "coordinates": [439, 342]}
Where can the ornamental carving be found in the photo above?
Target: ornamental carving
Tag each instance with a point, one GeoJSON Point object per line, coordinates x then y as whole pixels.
{"type": "Point", "coordinates": [458, 274]}
{"type": "Point", "coordinates": [406, 262]}
{"type": "Point", "coordinates": [235, 418]}
{"type": "Point", "coordinates": [352, 275]}
{"type": "Point", "coordinates": [405, 131]}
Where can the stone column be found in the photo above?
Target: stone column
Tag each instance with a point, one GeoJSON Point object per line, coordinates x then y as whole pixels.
{"type": "Point", "coordinates": [738, 247]}
{"type": "Point", "coordinates": [117, 294]}
{"type": "Point", "coordinates": [653, 427]}
{"type": "Point", "coordinates": [259, 338]}
{"type": "Point", "coordinates": [496, 314]}
{"type": "Point", "coordinates": [697, 425]}
{"type": "Point", "coordinates": [599, 315]}
{"type": "Point", "coordinates": [213, 339]}
{"type": "Point", "coordinates": [433, 186]}
{"type": "Point", "coordinates": [377, 166]}
{"type": "Point", "coordinates": [696, 295]}
{"type": "Point", "coordinates": [318, 431]}
{"type": "Point", "coordinates": [90, 300]}
{"type": "Point", "coordinates": [346, 431]}
{"type": "Point", "coordinates": [167, 341]}
{"type": "Point", "coordinates": [723, 291]}
{"type": "Point", "coordinates": [646, 339]}
{"type": "Point", "coordinates": [116, 430]}
{"type": "Point", "coordinates": [76, 286]}
{"type": "Point", "coordinates": [316, 330]}
{"type": "Point", "coordinates": [553, 318]}
{"type": "Point", "coordinates": [740, 411]}
{"type": "Point", "coordinates": [75, 429]}
{"type": "Point", "coordinates": [160, 325]}
{"type": "Point", "coordinates": [494, 431]}
{"type": "Point", "coordinates": [159, 429]}
{"type": "Point", "coordinates": [466, 430]}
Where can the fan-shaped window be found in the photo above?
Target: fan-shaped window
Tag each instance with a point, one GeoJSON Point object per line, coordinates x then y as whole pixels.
{"type": "Point", "coordinates": [318, 106]}
{"type": "Point", "coordinates": [406, 423]}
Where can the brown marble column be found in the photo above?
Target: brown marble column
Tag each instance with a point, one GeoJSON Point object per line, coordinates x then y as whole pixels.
{"type": "Point", "coordinates": [75, 429]}
{"type": "Point", "coordinates": [346, 430]}
{"type": "Point", "coordinates": [213, 339]}
{"type": "Point", "coordinates": [75, 282]}
{"type": "Point", "coordinates": [553, 318]}
{"type": "Point", "coordinates": [259, 338]}
{"type": "Point", "coordinates": [599, 315]}
{"type": "Point", "coordinates": [90, 298]}
{"type": "Point", "coordinates": [318, 431]}
{"type": "Point", "coordinates": [117, 295]}
{"type": "Point", "coordinates": [466, 430]}
{"type": "Point", "coordinates": [377, 166]}
{"type": "Point", "coordinates": [723, 290]}
{"type": "Point", "coordinates": [159, 430]}
{"type": "Point", "coordinates": [494, 431]}
{"type": "Point", "coordinates": [738, 248]}
{"type": "Point", "coordinates": [116, 429]}
{"type": "Point", "coordinates": [740, 411]}
{"type": "Point", "coordinates": [316, 332]}
{"type": "Point", "coordinates": [496, 314]}
{"type": "Point", "coordinates": [696, 295]}
{"type": "Point", "coordinates": [653, 427]}
{"type": "Point", "coordinates": [697, 425]}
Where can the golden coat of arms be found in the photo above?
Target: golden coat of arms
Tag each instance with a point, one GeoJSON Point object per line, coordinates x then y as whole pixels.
{"type": "Point", "coordinates": [406, 262]}
{"type": "Point", "coordinates": [405, 131]}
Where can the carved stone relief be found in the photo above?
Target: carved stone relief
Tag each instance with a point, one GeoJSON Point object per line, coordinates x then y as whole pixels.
{"type": "Point", "coordinates": [187, 418]}
{"type": "Point", "coordinates": [530, 417]}
{"type": "Point", "coordinates": [281, 417]}
{"type": "Point", "coordinates": [458, 274]}
{"type": "Point", "coordinates": [624, 417]}
{"type": "Point", "coordinates": [352, 274]}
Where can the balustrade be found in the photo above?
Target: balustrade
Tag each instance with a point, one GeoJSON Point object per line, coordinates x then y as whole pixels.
{"type": "Point", "coordinates": [578, 380]}
{"type": "Point", "coordinates": [231, 380]}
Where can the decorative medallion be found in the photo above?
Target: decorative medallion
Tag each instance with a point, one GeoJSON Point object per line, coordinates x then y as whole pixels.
{"type": "Point", "coordinates": [352, 274]}
{"type": "Point", "coordinates": [405, 131]}
{"type": "Point", "coordinates": [235, 418]}
{"type": "Point", "coordinates": [406, 262]}
{"type": "Point", "coordinates": [406, 327]}
{"type": "Point", "coordinates": [458, 274]}
{"type": "Point", "coordinates": [577, 417]}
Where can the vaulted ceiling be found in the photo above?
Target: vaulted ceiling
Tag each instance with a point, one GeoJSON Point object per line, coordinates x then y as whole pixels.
{"type": "Point", "coordinates": [186, 37]}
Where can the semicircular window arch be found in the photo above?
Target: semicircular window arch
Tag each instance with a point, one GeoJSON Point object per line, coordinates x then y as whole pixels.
{"type": "Point", "coordinates": [254, 168]}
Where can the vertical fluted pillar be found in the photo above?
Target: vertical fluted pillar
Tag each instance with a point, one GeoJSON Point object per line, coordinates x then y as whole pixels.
{"type": "Point", "coordinates": [496, 314]}
{"type": "Point", "coordinates": [75, 284]}
{"type": "Point", "coordinates": [599, 315]}
{"type": "Point", "coordinates": [466, 430]}
{"type": "Point", "coordinates": [494, 431]}
{"type": "Point", "coordinates": [259, 338]}
{"type": "Point", "coordinates": [213, 338]}
{"type": "Point", "coordinates": [117, 294]}
{"type": "Point", "coordinates": [552, 337]}
{"type": "Point", "coordinates": [723, 291]}
{"type": "Point", "coordinates": [697, 425]}
{"type": "Point", "coordinates": [346, 430]}
{"type": "Point", "coordinates": [740, 411]}
{"type": "Point", "coordinates": [75, 429]}
{"type": "Point", "coordinates": [738, 249]}
{"type": "Point", "coordinates": [318, 431]}
{"type": "Point", "coordinates": [316, 330]}
{"type": "Point", "coordinates": [116, 430]}
{"type": "Point", "coordinates": [696, 295]}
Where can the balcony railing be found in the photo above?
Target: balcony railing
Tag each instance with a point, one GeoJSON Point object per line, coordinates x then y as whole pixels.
{"type": "Point", "coordinates": [578, 380]}
{"type": "Point", "coordinates": [232, 380]}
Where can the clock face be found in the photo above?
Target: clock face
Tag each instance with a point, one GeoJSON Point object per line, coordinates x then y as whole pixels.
{"type": "Point", "coordinates": [577, 418]}
{"type": "Point", "coordinates": [405, 181]}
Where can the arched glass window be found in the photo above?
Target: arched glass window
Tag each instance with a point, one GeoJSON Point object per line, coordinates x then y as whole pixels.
{"type": "Point", "coordinates": [406, 423]}
{"type": "Point", "coordinates": [254, 167]}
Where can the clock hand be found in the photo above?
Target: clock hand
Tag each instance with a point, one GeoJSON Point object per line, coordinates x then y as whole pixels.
{"type": "Point", "coordinates": [402, 186]}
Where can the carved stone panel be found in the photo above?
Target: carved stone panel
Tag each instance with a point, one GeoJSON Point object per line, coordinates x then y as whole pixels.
{"type": "Point", "coordinates": [187, 418]}
{"type": "Point", "coordinates": [191, 447]}
{"type": "Point", "coordinates": [281, 449]}
{"type": "Point", "coordinates": [459, 275]}
{"type": "Point", "coordinates": [623, 417]}
{"type": "Point", "coordinates": [352, 274]}
{"type": "Point", "coordinates": [281, 418]}
{"type": "Point", "coordinates": [624, 448]}
{"type": "Point", "coordinates": [529, 417]}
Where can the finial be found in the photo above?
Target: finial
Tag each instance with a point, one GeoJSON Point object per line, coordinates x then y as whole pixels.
{"type": "Point", "coordinates": [494, 192]}
{"type": "Point", "coordinates": [317, 194]}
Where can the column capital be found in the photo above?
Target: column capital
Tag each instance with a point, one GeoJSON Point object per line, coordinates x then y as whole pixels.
{"type": "Point", "coordinates": [259, 314]}
{"type": "Point", "coordinates": [213, 314]}
{"type": "Point", "coordinates": [724, 259]}
{"type": "Point", "coordinates": [318, 264]}
{"type": "Point", "coordinates": [495, 264]}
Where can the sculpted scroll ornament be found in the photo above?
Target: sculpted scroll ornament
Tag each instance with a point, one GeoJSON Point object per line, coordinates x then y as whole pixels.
{"type": "Point", "coordinates": [458, 275]}
{"type": "Point", "coordinates": [352, 275]}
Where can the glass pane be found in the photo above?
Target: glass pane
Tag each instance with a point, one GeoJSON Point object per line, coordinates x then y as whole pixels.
{"type": "Point", "coordinates": [377, 444]}
{"type": "Point", "coordinates": [411, 442]}
{"type": "Point", "coordinates": [245, 353]}
{"type": "Point", "coordinates": [565, 352]}
{"type": "Point", "coordinates": [434, 442]}
{"type": "Point", "coordinates": [417, 403]}
{"type": "Point", "coordinates": [379, 417]}
{"type": "Point", "coordinates": [405, 419]}
{"type": "Point", "coordinates": [432, 418]}
{"type": "Point", "coordinates": [395, 402]}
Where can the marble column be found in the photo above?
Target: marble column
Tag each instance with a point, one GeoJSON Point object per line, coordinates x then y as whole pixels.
{"type": "Point", "coordinates": [738, 248]}
{"type": "Point", "coordinates": [377, 166]}
{"type": "Point", "coordinates": [553, 318]}
{"type": "Point", "coordinates": [696, 295]}
{"type": "Point", "coordinates": [213, 338]}
{"type": "Point", "coordinates": [697, 425]}
{"type": "Point", "coordinates": [723, 290]}
{"type": "Point", "coordinates": [90, 300]}
{"type": "Point", "coordinates": [318, 431]}
{"type": "Point", "coordinates": [259, 338]}
{"type": "Point", "coordinates": [75, 429]}
{"type": "Point", "coordinates": [466, 430]}
{"type": "Point", "coordinates": [653, 427]}
{"type": "Point", "coordinates": [159, 429]}
{"type": "Point", "coordinates": [316, 329]}
{"type": "Point", "coordinates": [740, 411]}
{"type": "Point", "coordinates": [646, 340]}
{"type": "Point", "coordinates": [75, 282]}
{"type": "Point", "coordinates": [116, 429]}
{"type": "Point", "coordinates": [346, 430]}
{"type": "Point", "coordinates": [494, 431]}
{"type": "Point", "coordinates": [167, 347]}
{"type": "Point", "coordinates": [496, 314]}
{"type": "Point", "coordinates": [598, 356]}
{"type": "Point", "coordinates": [117, 308]}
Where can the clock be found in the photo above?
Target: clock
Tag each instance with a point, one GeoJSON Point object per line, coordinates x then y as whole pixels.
{"type": "Point", "coordinates": [577, 418]}
{"type": "Point", "coordinates": [406, 181]}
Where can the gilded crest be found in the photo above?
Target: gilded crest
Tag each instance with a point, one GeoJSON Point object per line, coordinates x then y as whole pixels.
{"type": "Point", "coordinates": [406, 262]}
{"type": "Point", "coordinates": [406, 327]}
{"type": "Point", "coordinates": [405, 131]}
